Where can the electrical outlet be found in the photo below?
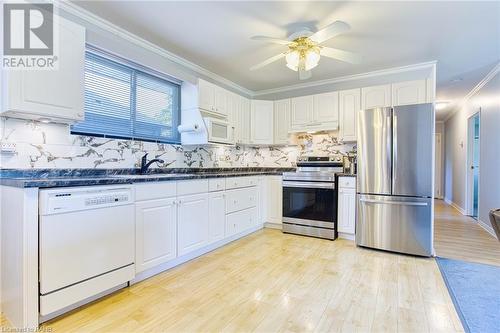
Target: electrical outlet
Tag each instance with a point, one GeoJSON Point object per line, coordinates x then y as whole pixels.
{"type": "Point", "coordinates": [7, 147]}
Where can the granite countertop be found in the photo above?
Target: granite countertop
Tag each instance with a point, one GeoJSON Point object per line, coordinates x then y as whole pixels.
{"type": "Point", "coordinates": [44, 178]}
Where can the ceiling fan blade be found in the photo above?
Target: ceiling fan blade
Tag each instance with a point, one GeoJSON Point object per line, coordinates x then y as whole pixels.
{"type": "Point", "coordinates": [271, 40]}
{"type": "Point", "coordinates": [334, 29]}
{"type": "Point", "coordinates": [304, 75]}
{"type": "Point", "coordinates": [341, 55]}
{"type": "Point", "coordinates": [268, 61]}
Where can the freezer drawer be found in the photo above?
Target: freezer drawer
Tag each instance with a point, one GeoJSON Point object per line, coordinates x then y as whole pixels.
{"type": "Point", "coordinates": [399, 224]}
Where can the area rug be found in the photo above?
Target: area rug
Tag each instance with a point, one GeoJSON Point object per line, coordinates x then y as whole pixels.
{"type": "Point", "coordinates": [475, 290]}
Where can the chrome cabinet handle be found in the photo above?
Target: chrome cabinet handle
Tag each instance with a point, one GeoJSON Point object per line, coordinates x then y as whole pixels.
{"type": "Point", "coordinates": [401, 203]}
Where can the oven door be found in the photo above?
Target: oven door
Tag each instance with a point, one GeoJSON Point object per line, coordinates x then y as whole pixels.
{"type": "Point", "coordinates": [310, 203]}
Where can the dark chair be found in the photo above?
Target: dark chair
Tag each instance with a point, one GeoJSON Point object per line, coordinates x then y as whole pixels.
{"type": "Point", "coordinates": [495, 221]}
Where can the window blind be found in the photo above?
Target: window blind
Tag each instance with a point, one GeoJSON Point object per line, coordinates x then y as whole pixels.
{"type": "Point", "coordinates": [124, 102]}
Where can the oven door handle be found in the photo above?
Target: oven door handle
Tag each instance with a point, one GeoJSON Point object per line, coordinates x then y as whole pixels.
{"type": "Point", "coordinates": [309, 184]}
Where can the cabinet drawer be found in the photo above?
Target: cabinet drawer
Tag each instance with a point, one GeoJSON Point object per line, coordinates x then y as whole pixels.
{"type": "Point", "coordinates": [347, 182]}
{"type": "Point", "coordinates": [186, 187]}
{"type": "Point", "coordinates": [156, 190]}
{"type": "Point", "coordinates": [241, 199]}
{"type": "Point", "coordinates": [238, 182]}
{"type": "Point", "coordinates": [216, 184]}
{"type": "Point", "coordinates": [240, 221]}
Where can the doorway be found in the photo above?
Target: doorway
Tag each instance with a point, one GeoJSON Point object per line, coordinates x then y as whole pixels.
{"type": "Point", "coordinates": [438, 188]}
{"type": "Point", "coordinates": [473, 157]}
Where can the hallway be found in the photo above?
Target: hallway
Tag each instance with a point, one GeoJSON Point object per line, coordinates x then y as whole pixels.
{"type": "Point", "coordinates": [460, 237]}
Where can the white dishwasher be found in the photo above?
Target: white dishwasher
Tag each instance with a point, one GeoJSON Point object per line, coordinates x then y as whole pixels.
{"type": "Point", "coordinates": [86, 243]}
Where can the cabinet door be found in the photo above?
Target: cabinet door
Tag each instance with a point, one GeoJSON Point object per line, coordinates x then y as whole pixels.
{"type": "Point", "coordinates": [274, 200]}
{"type": "Point", "coordinates": [216, 216]}
{"type": "Point", "coordinates": [244, 121]}
{"type": "Point", "coordinates": [192, 223]}
{"type": "Point", "coordinates": [221, 100]}
{"type": "Point", "coordinates": [54, 94]}
{"type": "Point", "coordinates": [261, 129]}
{"type": "Point", "coordinates": [326, 108]}
{"type": "Point", "coordinates": [156, 233]}
{"type": "Point", "coordinates": [233, 115]}
{"type": "Point", "coordinates": [349, 104]}
{"type": "Point", "coordinates": [346, 210]}
{"type": "Point", "coordinates": [376, 96]}
{"type": "Point", "coordinates": [301, 111]}
{"type": "Point", "coordinates": [281, 121]}
{"type": "Point", "coordinates": [206, 95]}
{"type": "Point", "coordinates": [409, 92]}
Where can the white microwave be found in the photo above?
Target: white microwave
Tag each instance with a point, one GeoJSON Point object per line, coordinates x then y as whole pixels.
{"type": "Point", "coordinates": [218, 130]}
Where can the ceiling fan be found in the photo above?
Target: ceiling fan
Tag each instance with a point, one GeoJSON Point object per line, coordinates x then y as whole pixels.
{"type": "Point", "coordinates": [305, 49]}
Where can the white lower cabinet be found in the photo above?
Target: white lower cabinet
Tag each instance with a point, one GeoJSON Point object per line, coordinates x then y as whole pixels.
{"type": "Point", "coordinates": [216, 216]}
{"type": "Point", "coordinates": [347, 206]}
{"type": "Point", "coordinates": [156, 233]}
{"type": "Point", "coordinates": [192, 223]}
{"type": "Point", "coordinates": [241, 220]}
{"type": "Point", "coordinates": [274, 202]}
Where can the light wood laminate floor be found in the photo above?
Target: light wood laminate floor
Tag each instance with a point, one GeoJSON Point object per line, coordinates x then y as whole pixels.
{"type": "Point", "coordinates": [460, 237]}
{"type": "Point", "coordinates": [271, 282]}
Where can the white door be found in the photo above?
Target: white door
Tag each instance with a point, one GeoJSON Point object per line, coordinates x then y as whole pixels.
{"type": "Point", "coordinates": [206, 95]}
{"type": "Point", "coordinates": [349, 104]}
{"type": "Point", "coordinates": [192, 223]}
{"type": "Point", "coordinates": [326, 108]}
{"type": "Point", "coordinates": [156, 233]}
{"type": "Point", "coordinates": [275, 200]}
{"type": "Point", "coordinates": [216, 216]}
{"type": "Point", "coordinates": [376, 96]}
{"type": "Point", "coordinates": [262, 128]}
{"type": "Point", "coordinates": [301, 111]}
{"type": "Point", "coordinates": [281, 121]}
{"type": "Point", "coordinates": [347, 210]}
{"type": "Point", "coordinates": [221, 100]}
{"type": "Point", "coordinates": [244, 120]}
{"type": "Point", "coordinates": [408, 92]}
{"type": "Point", "coordinates": [438, 188]}
{"type": "Point", "coordinates": [55, 94]}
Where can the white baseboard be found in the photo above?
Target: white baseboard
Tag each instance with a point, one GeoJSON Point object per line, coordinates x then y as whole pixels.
{"type": "Point", "coordinates": [454, 205]}
{"type": "Point", "coordinates": [182, 259]}
{"type": "Point", "coordinates": [271, 225]}
{"type": "Point", "coordinates": [487, 227]}
{"type": "Point", "coordinates": [347, 236]}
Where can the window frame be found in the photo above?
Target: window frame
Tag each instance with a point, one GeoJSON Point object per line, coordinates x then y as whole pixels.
{"type": "Point", "coordinates": [136, 69]}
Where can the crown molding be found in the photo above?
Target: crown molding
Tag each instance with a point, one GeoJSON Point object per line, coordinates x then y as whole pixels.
{"type": "Point", "coordinates": [387, 71]}
{"type": "Point", "coordinates": [85, 15]}
{"type": "Point", "coordinates": [487, 78]}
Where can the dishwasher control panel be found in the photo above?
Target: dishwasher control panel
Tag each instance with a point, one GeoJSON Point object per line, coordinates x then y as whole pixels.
{"type": "Point", "coordinates": [56, 201]}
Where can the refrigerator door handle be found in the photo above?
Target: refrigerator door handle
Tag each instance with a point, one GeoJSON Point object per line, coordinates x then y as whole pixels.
{"type": "Point", "coordinates": [394, 150]}
{"type": "Point", "coordinates": [402, 203]}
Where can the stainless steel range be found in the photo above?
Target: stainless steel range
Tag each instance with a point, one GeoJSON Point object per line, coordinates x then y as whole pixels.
{"type": "Point", "coordinates": [310, 197]}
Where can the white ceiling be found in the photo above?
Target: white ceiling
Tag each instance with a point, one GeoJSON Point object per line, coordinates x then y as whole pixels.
{"type": "Point", "coordinates": [464, 37]}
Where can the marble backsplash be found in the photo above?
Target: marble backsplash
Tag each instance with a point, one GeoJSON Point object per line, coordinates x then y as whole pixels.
{"type": "Point", "coordinates": [40, 145]}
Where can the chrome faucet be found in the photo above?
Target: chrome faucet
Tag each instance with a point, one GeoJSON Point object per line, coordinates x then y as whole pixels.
{"type": "Point", "coordinates": [145, 164]}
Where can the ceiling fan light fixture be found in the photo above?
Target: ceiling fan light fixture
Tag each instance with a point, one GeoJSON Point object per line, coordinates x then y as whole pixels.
{"type": "Point", "coordinates": [311, 58]}
{"type": "Point", "coordinates": [293, 60]}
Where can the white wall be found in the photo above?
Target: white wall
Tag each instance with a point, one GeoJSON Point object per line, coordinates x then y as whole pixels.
{"type": "Point", "coordinates": [486, 100]}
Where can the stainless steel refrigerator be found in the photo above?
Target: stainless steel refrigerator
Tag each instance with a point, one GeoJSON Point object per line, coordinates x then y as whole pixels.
{"type": "Point", "coordinates": [395, 189]}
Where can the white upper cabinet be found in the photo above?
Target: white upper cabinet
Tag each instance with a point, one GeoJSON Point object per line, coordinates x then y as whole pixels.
{"type": "Point", "coordinates": [212, 98]}
{"type": "Point", "coordinates": [261, 128]}
{"type": "Point", "coordinates": [58, 94]}
{"type": "Point", "coordinates": [326, 109]}
{"type": "Point", "coordinates": [301, 111]}
{"type": "Point", "coordinates": [233, 116]}
{"type": "Point", "coordinates": [409, 92]}
{"type": "Point", "coordinates": [281, 121]}
{"type": "Point", "coordinates": [376, 96]}
{"type": "Point", "coordinates": [349, 105]}
{"type": "Point", "coordinates": [244, 121]}
{"type": "Point", "coordinates": [315, 112]}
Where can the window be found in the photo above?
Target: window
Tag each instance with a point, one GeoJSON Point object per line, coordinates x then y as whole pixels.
{"type": "Point", "coordinates": [124, 101]}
